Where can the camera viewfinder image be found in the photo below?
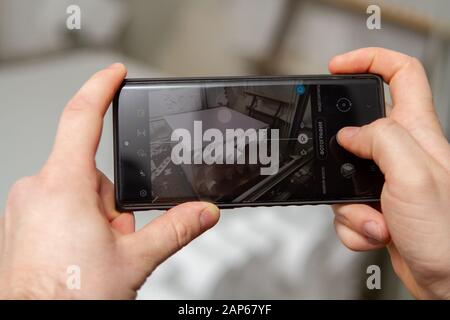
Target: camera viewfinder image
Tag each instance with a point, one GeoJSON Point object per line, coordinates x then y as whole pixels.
{"type": "Point", "coordinates": [230, 143]}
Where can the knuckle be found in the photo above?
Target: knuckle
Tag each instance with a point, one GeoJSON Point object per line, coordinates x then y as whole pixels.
{"type": "Point", "coordinates": [427, 179]}
{"type": "Point", "coordinates": [48, 181]}
{"type": "Point", "coordinates": [371, 50]}
{"type": "Point", "coordinates": [81, 108]}
{"type": "Point", "coordinates": [338, 228]}
{"type": "Point", "coordinates": [382, 129]}
{"type": "Point", "coordinates": [412, 64]}
{"type": "Point", "coordinates": [377, 50]}
{"type": "Point", "coordinates": [341, 217]}
{"type": "Point", "coordinates": [418, 181]}
{"type": "Point", "coordinates": [19, 190]}
{"type": "Point", "coordinates": [77, 103]}
{"type": "Point", "coordinates": [415, 63]}
{"type": "Point", "coordinates": [348, 241]}
{"type": "Point", "coordinates": [57, 178]}
{"type": "Point", "coordinates": [384, 125]}
{"type": "Point", "coordinates": [336, 208]}
{"type": "Point", "coordinates": [181, 233]}
{"type": "Point", "coordinates": [22, 183]}
{"type": "Point", "coordinates": [422, 181]}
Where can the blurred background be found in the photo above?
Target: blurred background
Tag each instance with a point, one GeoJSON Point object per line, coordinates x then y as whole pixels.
{"type": "Point", "coordinates": [280, 252]}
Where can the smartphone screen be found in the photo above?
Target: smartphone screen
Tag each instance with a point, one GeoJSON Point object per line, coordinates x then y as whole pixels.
{"type": "Point", "coordinates": [243, 141]}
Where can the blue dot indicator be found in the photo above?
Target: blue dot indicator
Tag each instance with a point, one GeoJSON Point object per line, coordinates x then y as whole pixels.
{"type": "Point", "coordinates": [300, 89]}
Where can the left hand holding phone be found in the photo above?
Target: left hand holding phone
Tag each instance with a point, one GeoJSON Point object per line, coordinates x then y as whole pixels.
{"type": "Point", "coordinates": [61, 236]}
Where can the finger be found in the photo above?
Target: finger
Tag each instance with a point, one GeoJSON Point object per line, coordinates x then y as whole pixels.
{"type": "Point", "coordinates": [404, 74]}
{"type": "Point", "coordinates": [353, 240]}
{"type": "Point", "coordinates": [410, 92]}
{"type": "Point", "coordinates": [81, 122]}
{"type": "Point", "coordinates": [120, 221]}
{"type": "Point", "coordinates": [124, 223]}
{"type": "Point", "coordinates": [391, 147]}
{"type": "Point", "coordinates": [364, 220]}
{"type": "Point", "coordinates": [168, 233]}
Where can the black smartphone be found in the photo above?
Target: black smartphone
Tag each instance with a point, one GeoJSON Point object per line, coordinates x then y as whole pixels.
{"type": "Point", "coordinates": [243, 141]}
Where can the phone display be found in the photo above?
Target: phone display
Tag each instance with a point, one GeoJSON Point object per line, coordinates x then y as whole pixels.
{"type": "Point", "coordinates": [243, 141]}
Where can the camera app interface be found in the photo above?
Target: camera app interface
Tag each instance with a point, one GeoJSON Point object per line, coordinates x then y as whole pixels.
{"type": "Point", "coordinates": [244, 141]}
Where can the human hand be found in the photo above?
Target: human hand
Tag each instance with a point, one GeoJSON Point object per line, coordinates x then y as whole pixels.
{"type": "Point", "coordinates": [65, 216]}
{"type": "Point", "coordinates": [414, 155]}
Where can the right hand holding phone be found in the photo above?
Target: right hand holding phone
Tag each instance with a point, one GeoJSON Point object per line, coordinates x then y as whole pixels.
{"type": "Point", "coordinates": [414, 155]}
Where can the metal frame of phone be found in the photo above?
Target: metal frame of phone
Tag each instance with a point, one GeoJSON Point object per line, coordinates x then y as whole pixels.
{"type": "Point", "coordinates": [150, 206]}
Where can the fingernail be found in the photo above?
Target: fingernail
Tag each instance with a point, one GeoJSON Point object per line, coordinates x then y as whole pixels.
{"type": "Point", "coordinates": [348, 132]}
{"type": "Point", "coordinates": [373, 232]}
{"type": "Point", "coordinates": [209, 216]}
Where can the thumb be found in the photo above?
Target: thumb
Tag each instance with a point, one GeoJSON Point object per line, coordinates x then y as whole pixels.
{"type": "Point", "coordinates": [392, 148]}
{"type": "Point", "coordinates": [170, 232]}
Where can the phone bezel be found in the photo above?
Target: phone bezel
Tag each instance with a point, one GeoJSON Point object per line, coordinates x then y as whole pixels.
{"type": "Point", "coordinates": [122, 206]}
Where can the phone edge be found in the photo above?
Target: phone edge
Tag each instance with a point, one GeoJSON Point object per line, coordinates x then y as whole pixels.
{"type": "Point", "coordinates": [127, 207]}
